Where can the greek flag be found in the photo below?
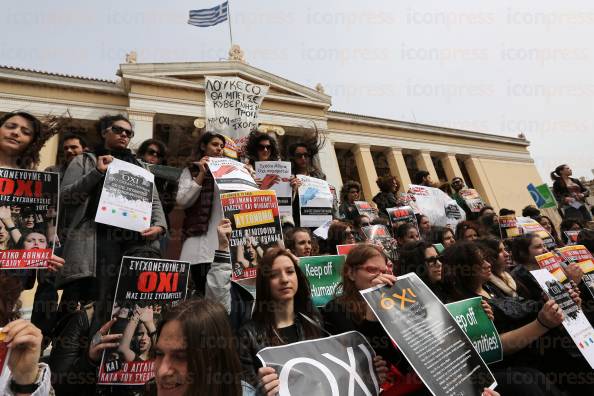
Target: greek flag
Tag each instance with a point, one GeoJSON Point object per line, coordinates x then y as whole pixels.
{"type": "Point", "coordinates": [209, 16]}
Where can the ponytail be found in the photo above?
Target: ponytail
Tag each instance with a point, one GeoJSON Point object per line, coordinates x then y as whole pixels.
{"type": "Point", "coordinates": [555, 175]}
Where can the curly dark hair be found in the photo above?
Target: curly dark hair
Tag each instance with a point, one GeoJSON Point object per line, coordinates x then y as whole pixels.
{"type": "Point", "coordinates": [385, 183]}
{"type": "Point", "coordinates": [42, 132]}
{"type": "Point", "coordinates": [145, 145]}
{"type": "Point", "coordinates": [254, 140]}
{"type": "Point", "coordinates": [108, 120]}
{"type": "Point", "coordinates": [344, 191]}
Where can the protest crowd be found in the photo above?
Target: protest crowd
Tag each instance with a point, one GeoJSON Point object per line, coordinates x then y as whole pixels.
{"type": "Point", "coordinates": [249, 279]}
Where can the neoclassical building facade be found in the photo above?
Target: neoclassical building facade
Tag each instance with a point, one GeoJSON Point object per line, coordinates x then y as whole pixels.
{"type": "Point", "coordinates": [166, 101]}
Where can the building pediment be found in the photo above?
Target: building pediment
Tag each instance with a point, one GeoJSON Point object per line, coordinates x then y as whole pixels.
{"type": "Point", "coordinates": [191, 75]}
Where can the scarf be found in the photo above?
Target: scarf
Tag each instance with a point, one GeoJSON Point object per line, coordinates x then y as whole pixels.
{"type": "Point", "coordinates": [198, 215]}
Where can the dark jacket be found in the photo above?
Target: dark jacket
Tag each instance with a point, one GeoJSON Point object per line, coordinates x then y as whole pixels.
{"type": "Point", "coordinates": [386, 200]}
{"type": "Point", "coordinates": [561, 191]}
{"type": "Point", "coordinates": [252, 339]}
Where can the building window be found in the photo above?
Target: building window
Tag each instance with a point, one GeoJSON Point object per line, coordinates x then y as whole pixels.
{"type": "Point", "coordinates": [465, 173]}
{"type": "Point", "coordinates": [438, 165]}
{"type": "Point", "coordinates": [347, 165]}
{"type": "Point", "coordinates": [381, 163]}
{"type": "Point", "coordinates": [411, 164]}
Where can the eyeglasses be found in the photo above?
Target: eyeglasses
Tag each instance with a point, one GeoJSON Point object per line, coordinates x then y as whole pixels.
{"type": "Point", "coordinates": [373, 270]}
{"type": "Point", "coordinates": [301, 155]}
{"type": "Point", "coordinates": [433, 261]}
{"type": "Point", "coordinates": [263, 147]}
{"type": "Point", "coordinates": [118, 130]}
{"type": "Point", "coordinates": [154, 153]}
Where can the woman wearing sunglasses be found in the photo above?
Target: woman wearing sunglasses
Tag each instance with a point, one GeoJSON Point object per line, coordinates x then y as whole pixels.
{"type": "Point", "coordinates": [339, 233]}
{"type": "Point", "coordinates": [95, 250]}
{"type": "Point", "coordinates": [422, 258]}
{"type": "Point", "coordinates": [367, 266]}
{"type": "Point", "coordinates": [261, 147]}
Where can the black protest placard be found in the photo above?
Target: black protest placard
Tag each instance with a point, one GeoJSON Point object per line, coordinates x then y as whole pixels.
{"type": "Point", "coordinates": [429, 337]}
{"type": "Point", "coordinates": [336, 365]}
{"type": "Point", "coordinates": [146, 289]}
{"type": "Point", "coordinates": [28, 213]}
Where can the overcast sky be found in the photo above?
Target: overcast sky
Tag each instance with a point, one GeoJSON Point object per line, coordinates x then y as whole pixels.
{"type": "Point", "coordinates": [501, 67]}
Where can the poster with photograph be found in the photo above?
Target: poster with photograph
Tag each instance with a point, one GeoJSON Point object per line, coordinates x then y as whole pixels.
{"type": "Point", "coordinates": [231, 105]}
{"type": "Point", "coordinates": [127, 197]}
{"type": "Point", "coordinates": [528, 225]}
{"type": "Point", "coordinates": [256, 227]}
{"type": "Point", "coordinates": [472, 199]}
{"type": "Point", "coordinates": [553, 263]}
{"type": "Point", "coordinates": [146, 289]}
{"type": "Point", "coordinates": [337, 365]}
{"type": "Point", "coordinates": [572, 236]}
{"type": "Point", "coordinates": [574, 320]}
{"type": "Point", "coordinates": [324, 273]}
{"type": "Point", "coordinates": [276, 175]}
{"type": "Point", "coordinates": [429, 337]}
{"type": "Point", "coordinates": [28, 214]}
{"type": "Point", "coordinates": [364, 208]}
{"type": "Point", "coordinates": [441, 210]}
{"type": "Point", "coordinates": [472, 318]}
{"type": "Point", "coordinates": [379, 235]}
{"type": "Point", "coordinates": [402, 215]}
{"type": "Point", "coordinates": [581, 256]}
{"type": "Point", "coordinates": [231, 175]}
{"type": "Point", "coordinates": [508, 226]}
{"type": "Point", "coordinates": [315, 201]}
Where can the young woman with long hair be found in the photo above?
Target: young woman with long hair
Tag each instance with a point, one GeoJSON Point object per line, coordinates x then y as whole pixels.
{"type": "Point", "coordinates": [199, 196]}
{"type": "Point", "coordinates": [570, 194]}
{"type": "Point", "coordinates": [422, 258]}
{"type": "Point", "coordinates": [339, 233]}
{"type": "Point", "coordinates": [283, 311]}
{"type": "Point", "coordinates": [367, 266]}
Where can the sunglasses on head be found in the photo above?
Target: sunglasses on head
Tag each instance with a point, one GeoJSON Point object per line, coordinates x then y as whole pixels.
{"type": "Point", "coordinates": [301, 155]}
{"type": "Point", "coordinates": [154, 153]}
{"type": "Point", "coordinates": [118, 130]}
{"type": "Point", "coordinates": [263, 147]}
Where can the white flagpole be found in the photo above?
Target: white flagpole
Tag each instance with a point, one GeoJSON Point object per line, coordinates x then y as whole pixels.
{"type": "Point", "coordinates": [229, 13]}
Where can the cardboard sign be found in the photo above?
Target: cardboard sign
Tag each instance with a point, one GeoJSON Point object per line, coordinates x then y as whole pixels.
{"type": "Point", "coordinates": [231, 105]}
{"type": "Point", "coordinates": [324, 274]}
{"type": "Point", "coordinates": [336, 365]}
{"type": "Point", "coordinates": [145, 288]}
{"type": "Point", "coordinates": [429, 337]}
{"type": "Point", "coordinates": [29, 208]}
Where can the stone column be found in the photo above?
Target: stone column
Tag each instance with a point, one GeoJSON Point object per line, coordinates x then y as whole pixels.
{"type": "Point", "coordinates": [424, 162]}
{"type": "Point", "coordinates": [450, 166]}
{"type": "Point", "coordinates": [481, 181]}
{"type": "Point", "coordinates": [398, 167]}
{"type": "Point", "coordinates": [48, 153]}
{"type": "Point", "coordinates": [142, 123]}
{"type": "Point", "coordinates": [366, 169]}
{"type": "Point", "coordinates": [329, 164]}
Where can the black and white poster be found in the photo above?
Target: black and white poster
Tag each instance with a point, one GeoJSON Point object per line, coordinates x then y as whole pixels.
{"type": "Point", "coordinates": [336, 365]}
{"type": "Point", "coordinates": [429, 337]}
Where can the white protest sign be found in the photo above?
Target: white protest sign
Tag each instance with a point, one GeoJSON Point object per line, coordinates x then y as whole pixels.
{"type": "Point", "coordinates": [231, 175]}
{"type": "Point", "coordinates": [231, 105]}
{"type": "Point", "coordinates": [127, 197]}
{"type": "Point", "coordinates": [441, 210]}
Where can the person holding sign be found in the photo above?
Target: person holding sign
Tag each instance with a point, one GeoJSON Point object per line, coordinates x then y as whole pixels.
{"type": "Point", "coordinates": [94, 249]}
{"type": "Point", "coordinates": [283, 311]}
{"type": "Point", "coordinates": [339, 233]}
{"type": "Point", "coordinates": [367, 266]}
{"type": "Point", "coordinates": [199, 196]}
{"type": "Point", "coordinates": [349, 193]}
{"type": "Point", "coordinates": [261, 147]}
{"type": "Point", "coordinates": [466, 275]}
{"type": "Point", "coordinates": [387, 197]}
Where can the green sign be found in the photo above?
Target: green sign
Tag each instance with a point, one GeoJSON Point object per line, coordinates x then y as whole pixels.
{"type": "Point", "coordinates": [471, 318]}
{"type": "Point", "coordinates": [542, 196]}
{"type": "Point", "coordinates": [324, 274]}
